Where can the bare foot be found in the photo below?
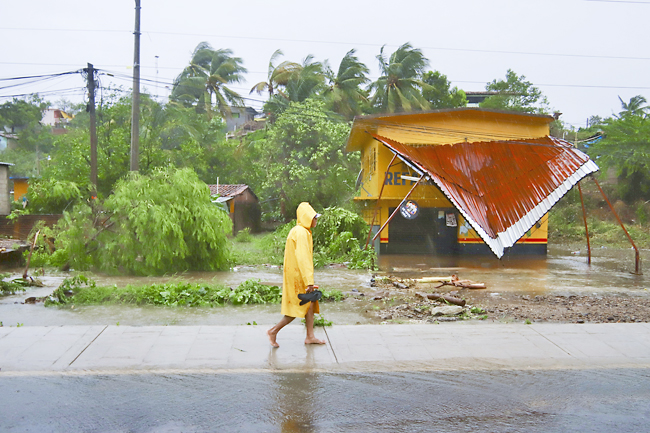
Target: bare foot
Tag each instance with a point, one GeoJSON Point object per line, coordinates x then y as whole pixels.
{"type": "Point", "coordinates": [272, 338]}
{"type": "Point", "coordinates": [313, 340]}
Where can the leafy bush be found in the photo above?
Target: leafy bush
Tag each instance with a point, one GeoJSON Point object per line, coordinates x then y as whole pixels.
{"type": "Point", "coordinates": [81, 290]}
{"type": "Point", "coordinates": [244, 236]}
{"type": "Point", "coordinates": [163, 222]}
{"type": "Point", "coordinates": [9, 287]}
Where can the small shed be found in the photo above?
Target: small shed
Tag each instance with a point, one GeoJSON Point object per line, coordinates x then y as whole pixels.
{"type": "Point", "coordinates": [5, 201]}
{"type": "Point", "coordinates": [243, 206]}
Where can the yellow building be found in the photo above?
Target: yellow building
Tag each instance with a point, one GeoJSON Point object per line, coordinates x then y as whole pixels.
{"type": "Point", "coordinates": [488, 179]}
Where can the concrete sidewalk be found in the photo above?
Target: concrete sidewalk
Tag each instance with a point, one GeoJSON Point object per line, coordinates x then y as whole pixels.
{"type": "Point", "coordinates": [114, 349]}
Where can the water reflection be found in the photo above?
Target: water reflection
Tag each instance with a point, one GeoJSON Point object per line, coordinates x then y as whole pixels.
{"type": "Point", "coordinates": [296, 396]}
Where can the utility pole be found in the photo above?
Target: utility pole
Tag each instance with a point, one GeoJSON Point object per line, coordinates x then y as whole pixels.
{"type": "Point", "coordinates": [135, 108]}
{"type": "Point", "coordinates": [93, 128]}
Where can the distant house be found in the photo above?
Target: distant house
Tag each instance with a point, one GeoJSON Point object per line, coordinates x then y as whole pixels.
{"type": "Point", "coordinates": [5, 201]}
{"type": "Point", "coordinates": [21, 185]}
{"type": "Point", "coordinates": [243, 206]}
{"type": "Point", "coordinates": [57, 119]}
{"type": "Point", "coordinates": [8, 140]}
{"type": "Point", "coordinates": [240, 116]}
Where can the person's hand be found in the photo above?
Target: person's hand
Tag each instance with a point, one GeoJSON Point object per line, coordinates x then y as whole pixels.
{"type": "Point", "coordinates": [310, 288]}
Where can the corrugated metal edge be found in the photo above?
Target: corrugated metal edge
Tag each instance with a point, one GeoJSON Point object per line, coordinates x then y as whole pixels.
{"type": "Point", "coordinates": [517, 230]}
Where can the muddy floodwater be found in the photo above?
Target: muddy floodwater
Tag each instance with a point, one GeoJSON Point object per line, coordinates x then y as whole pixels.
{"type": "Point", "coordinates": [563, 272]}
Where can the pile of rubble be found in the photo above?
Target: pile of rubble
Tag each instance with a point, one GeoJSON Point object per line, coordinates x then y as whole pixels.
{"type": "Point", "coordinates": [412, 300]}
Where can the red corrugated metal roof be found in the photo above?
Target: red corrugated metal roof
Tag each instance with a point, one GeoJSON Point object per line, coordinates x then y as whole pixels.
{"type": "Point", "coordinates": [227, 190]}
{"type": "Point", "coordinates": [502, 188]}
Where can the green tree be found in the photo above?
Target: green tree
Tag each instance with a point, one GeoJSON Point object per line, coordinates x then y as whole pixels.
{"type": "Point", "coordinates": [344, 95]}
{"type": "Point", "coordinates": [440, 94]}
{"type": "Point", "coordinates": [399, 88]}
{"type": "Point", "coordinates": [636, 107]}
{"type": "Point", "coordinates": [515, 94]}
{"type": "Point", "coordinates": [305, 82]}
{"type": "Point", "coordinates": [205, 81]}
{"type": "Point", "coordinates": [626, 149]}
{"type": "Point", "coordinates": [302, 158]}
{"type": "Point", "coordinates": [277, 76]}
{"type": "Point", "coordinates": [164, 222]}
{"type": "Point", "coordinates": [22, 117]}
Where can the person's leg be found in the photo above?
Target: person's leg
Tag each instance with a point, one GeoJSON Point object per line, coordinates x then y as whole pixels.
{"type": "Point", "coordinates": [273, 332]}
{"type": "Point", "coordinates": [309, 322]}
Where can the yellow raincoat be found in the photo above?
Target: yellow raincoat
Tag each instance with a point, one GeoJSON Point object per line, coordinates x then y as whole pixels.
{"type": "Point", "coordinates": [299, 264]}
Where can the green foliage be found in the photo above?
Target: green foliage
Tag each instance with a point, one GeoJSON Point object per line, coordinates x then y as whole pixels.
{"type": "Point", "coordinates": [344, 95]}
{"type": "Point", "coordinates": [302, 159]}
{"type": "Point", "coordinates": [337, 238]}
{"type": "Point", "coordinates": [515, 94]}
{"type": "Point", "coordinates": [439, 93]}
{"type": "Point", "coordinates": [53, 196]}
{"type": "Point", "coordinates": [320, 320]}
{"type": "Point", "coordinates": [340, 237]}
{"type": "Point", "coordinates": [244, 236]}
{"type": "Point", "coordinates": [9, 287]}
{"type": "Point", "coordinates": [332, 295]}
{"type": "Point", "coordinates": [626, 150]}
{"type": "Point", "coordinates": [68, 289]}
{"type": "Point", "coordinates": [80, 290]}
{"type": "Point", "coordinates": [207, 77]}
{"type": "Point", "coordinates": [399, 87]}
{"type": "Point", "coordinates": [164, 222]}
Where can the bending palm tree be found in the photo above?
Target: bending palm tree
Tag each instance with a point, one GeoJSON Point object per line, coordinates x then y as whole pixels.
{"type": "Point", "coordinates": [277, 76]}
{"type": "Point", "coordinates": [344, 95]}
{"type": "Point", "coordinates": [399, 88]}
{"type": "Point", "coordinates": [205, 80]}
{"type": "Point", "coordinates": [304, 82]}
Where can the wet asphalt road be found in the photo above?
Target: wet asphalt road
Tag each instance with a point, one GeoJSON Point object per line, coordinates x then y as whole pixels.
{"type": "Point", "coordinates": [598, 400]}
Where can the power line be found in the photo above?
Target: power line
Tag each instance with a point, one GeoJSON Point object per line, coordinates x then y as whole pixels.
{"type": "Point", "coordinates": [475, 50]}
{"type": "Point", "coordinates": [41, 76]}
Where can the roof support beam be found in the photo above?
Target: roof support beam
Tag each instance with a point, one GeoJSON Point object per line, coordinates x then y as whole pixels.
{"type": "Point", "coordinates": [397, 208]}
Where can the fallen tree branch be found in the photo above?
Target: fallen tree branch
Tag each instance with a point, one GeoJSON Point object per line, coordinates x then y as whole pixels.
{"type": "Point", "coordinates": [445, 298]}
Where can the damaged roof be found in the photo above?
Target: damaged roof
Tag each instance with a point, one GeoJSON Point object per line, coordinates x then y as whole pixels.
{"type": "Point", "coordinates": [228, 190]}
{"type": "Point", "coordinates": [501, 187]}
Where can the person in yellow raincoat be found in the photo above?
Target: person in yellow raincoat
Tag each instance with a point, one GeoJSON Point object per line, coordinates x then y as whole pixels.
{"type": "Point", "coordinates": [298, 275]}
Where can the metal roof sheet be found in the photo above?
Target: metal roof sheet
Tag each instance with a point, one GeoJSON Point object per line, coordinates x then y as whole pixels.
{"type": "Point", "coordinates": [502, 188]}
{"type": "Point", "coordinates": [227, 190]}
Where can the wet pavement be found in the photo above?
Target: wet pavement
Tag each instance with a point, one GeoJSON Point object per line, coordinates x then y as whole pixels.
{"type": "Point", "coordinates": [367, 378]}
{"type": "Point", "coordinates": [594, 400]}
{"type": "Point", "coordinates": [78, 349]}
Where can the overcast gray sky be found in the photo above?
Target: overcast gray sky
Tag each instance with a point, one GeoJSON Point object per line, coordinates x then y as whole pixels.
{"type": "Point", "coordinates": [582, 54]}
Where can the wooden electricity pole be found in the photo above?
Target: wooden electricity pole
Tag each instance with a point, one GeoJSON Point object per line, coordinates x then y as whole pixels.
{"type": "Point", "coordinates": [135, 108]}
{"type": "Point", "coordinates": [93, 128]}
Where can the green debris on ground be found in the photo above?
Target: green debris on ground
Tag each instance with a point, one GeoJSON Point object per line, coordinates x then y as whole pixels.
{"type": "Point", "coordinates": [80, 290]}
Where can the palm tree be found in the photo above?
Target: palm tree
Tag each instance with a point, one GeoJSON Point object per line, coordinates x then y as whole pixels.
{"type": "Point", "coordinates": [301, 84]}
{"type": "Point", "coordinates": [308, 81]}
{"type": "Point", "coordinates": [344, 94]}
{"type": "Point", "coordinates": [636, 107]}
{"type": "Point", "coordinates": [399, 88]}
{"type": "Point", "coordinates": [277, 76]}
{"type": "Point", "coordinates": [205, 81]}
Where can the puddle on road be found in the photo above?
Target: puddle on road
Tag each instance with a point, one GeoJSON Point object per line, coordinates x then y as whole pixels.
{"type": "Point", "coordinates": [563, 272]}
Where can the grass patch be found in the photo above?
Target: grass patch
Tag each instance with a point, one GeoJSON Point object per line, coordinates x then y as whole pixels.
{"type": "Point", "coordinates": [11, 287]}
{"type": "Point", "coordinates": [80, 290]}
{"type": "Point", "coordinates": [320, 320]}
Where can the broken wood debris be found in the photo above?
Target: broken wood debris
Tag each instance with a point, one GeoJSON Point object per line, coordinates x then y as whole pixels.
{"type": "Point", "coordinates": [444, 298]}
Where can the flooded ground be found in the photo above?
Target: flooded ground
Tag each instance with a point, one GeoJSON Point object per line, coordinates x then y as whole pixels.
{"type": "Point", "coordinates": [609, 400]}
{"type": "Point", "coordinates": [563, 273]}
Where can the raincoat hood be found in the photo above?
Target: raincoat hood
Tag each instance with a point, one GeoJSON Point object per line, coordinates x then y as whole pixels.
{"type": "Point", "coordinates": [305, 214]}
